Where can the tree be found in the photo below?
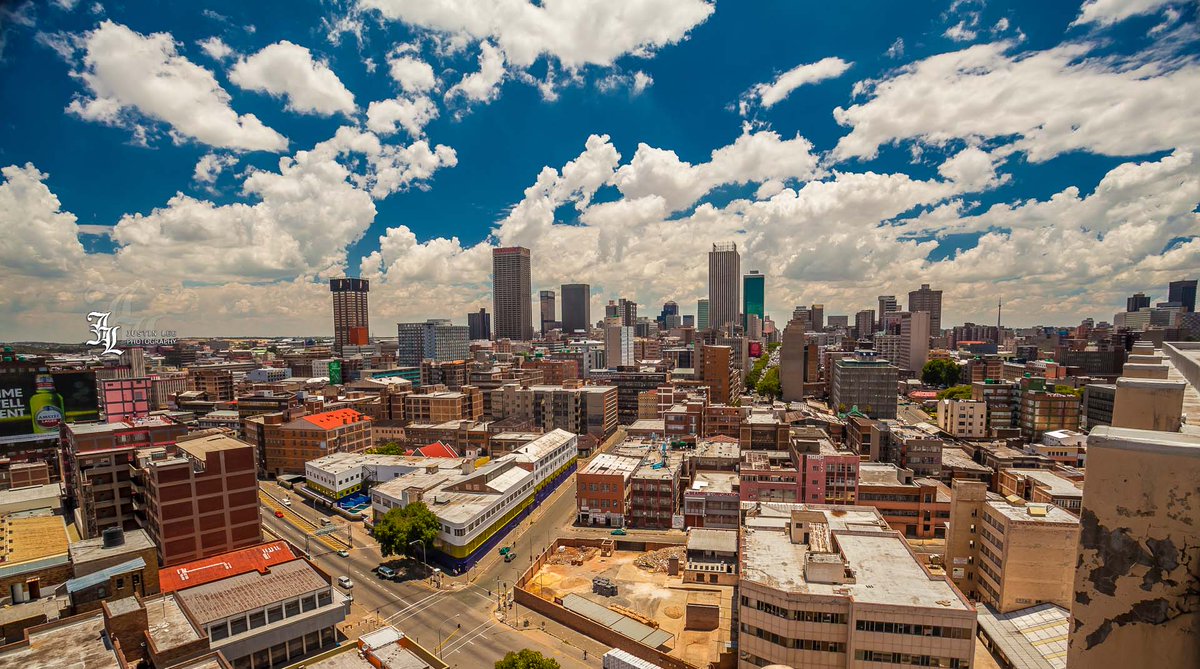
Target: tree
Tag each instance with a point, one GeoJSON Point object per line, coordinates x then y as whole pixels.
{"type": "Point", "coordinates": [526, 659]}
{"type": "Point", "coordinates": [955, 393]}
{"type": "Point", "coordinates": [940, 373]}
{"type": "Point", "coordinates": [757, 370]}
{"type": "Point", "coordinates": [1068, 390]}
{"type": "Point", "coordinates": [390, 448]}
{"type": "Point", "coordinates": [399, 528]}
{"type": "Point", "coordinates": [769, 384]}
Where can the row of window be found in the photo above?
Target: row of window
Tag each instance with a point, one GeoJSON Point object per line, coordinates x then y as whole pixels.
{"type": "Point", "coordinates": [233, 626]}
{"type": "Point", "coordinates": [796, 614]}
{"type": "Point", "coordinates": [911, 659]}
{"type": "Point", "coordinates": [797, 644]}
{"type": "Point", "coordinates": [913, 630]}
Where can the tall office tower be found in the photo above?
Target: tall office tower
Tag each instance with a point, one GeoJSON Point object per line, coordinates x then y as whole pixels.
{"type": "Point", "coordinates": [1183, 292]}
{"type": "Point", "coordinates": [479, 324]}
{"type": "Point", "coordinates": [887, 305]}
{"type": "Point", "coordinates": [669, 308]}
{"type": "Point", "coordinates": [627, 310]}
{"type": "Point", "coordinates": [754, 292]}
{"type": "Point", "coordinates": [914, 340]}
{"type": "Point", "coordinates": [702, 319]}
{"type": "Point", "coordinates": [689, 321]}
{"type": "Point", "coordinates": [546, 300]}
{"type": "Point", "coordinates": [512, 294]}
{"type": "Point", "coordinates": [1135, 579]}
{"type": "Point", "coordinates": [350, 317]}
{"type": "Point", "coordinates": [754, 327]}
{"type": "Point", "coordinates": [1137, 301]}
{"type": "Point", "coordinates": [436, 339]}
{"type": "Point", "coordinates": [799, 371]}
{"type": "Point", "coordinates": [864, 323]}
{"type": "Point", "coordinates": [817, 313]}
{"type": "Point", "coordinates": [803, 315]}
{"type": "Point", "coordinates": [576, 307]}
{"type": "Point", "coordinates": [724, 276]}
{"type": "Point", "coordinates": [929, 301]}
{"type": "Point", "coordinates": [618, 346]}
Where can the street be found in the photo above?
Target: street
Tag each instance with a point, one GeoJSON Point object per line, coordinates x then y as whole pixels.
{"type": "Point", "coordinates": [458, 623]}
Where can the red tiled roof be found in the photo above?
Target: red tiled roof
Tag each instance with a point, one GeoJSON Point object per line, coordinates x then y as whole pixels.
{"type": "Point", "coordinates": [721, 439]}
{"type": "Point", "coordinates": [437, 450]}
{"type": "Point", "coordinates": [334, 419]}
{"type": "Point", "coordinates": [256, 558]}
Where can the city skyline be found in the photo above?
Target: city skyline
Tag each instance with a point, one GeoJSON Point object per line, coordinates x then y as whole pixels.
{"type": "Point", "coordinates": [360, 139]}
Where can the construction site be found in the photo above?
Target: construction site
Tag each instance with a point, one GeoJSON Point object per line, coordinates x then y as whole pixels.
{"type": "Point", "coordinates": [637, 601]}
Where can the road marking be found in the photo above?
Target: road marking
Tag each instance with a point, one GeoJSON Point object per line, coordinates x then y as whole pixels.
{"type": "Point", "coordinates": [470, 637]}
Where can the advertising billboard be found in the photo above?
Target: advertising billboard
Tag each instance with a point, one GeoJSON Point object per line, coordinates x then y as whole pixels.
{"type": "Point", "coordinates": [756, 349]}
{"type": "Point", "coordinates": [34, 404]}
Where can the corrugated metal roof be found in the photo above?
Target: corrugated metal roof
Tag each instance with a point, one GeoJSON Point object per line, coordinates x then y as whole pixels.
{"type": "Point", "coordinates": [257, 558]}
{"type": "Point", "coordinates": [83, 582]}
{"type": "Point", "coordinates": [622, 624]}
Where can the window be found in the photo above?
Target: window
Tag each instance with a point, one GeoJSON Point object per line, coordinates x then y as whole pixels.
{"type": "Point", "coordinates": [258, 619]}
{"type": "Point", "coordinates": [218, 631]}
{"type": "Point", "coordinates": [237, 626]}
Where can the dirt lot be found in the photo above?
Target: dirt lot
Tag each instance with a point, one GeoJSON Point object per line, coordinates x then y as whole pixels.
{"type": "Point", "coordinates": [653, 595]}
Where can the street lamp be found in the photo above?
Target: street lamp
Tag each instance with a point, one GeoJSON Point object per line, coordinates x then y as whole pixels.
{"type": "Point", "coordinates": [424, 561]}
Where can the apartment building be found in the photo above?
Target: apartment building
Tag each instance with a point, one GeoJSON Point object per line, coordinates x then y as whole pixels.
{"type": "Point", "coordinates": [917, 507]}
{"type": "Point", "coordinates": [96, 459]}
{"type": "Point", "coordinates": [762, 430]}
{"type": "Point", "coordinates": [573, 407]}
{"type": "Point", "coordinates": [712, 500]}
{"type": "Point", "coordinates": [602, 489]}
{"type": "Point", "coordinates": [1008, 553]}
{"type": "Point", "coordinates": [1043, 412]}
{"type": "Point", "coordinates": [201, 499]}
{"type": "Point", "coordinates": [629, 384]}
{"type": "Point", "coordinates": [834, 586]}
{"type": "Point", "coordinates": [1002, 399]}
{"type": "Point", "coordinates": [442, 406]}
{"type": "Point", "coordinates": [1041, 486]}
{"type": "Point", "coordinates": [869, 385]}
{"type": "Point", "coordinates": [216, 383]}
{"type": "Point", "coordinates": [719, 371]}
{"type": "Point", "coordinates": [310, 437]}
{"type": "Point", "coordinates": [963, 419]}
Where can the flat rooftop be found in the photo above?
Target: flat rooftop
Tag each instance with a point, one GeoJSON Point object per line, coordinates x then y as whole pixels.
{"type": "Point", "coordinates": [200, 447]}
{"type": "Point", "coordinates": [1058, 486]}
{"type": "Point", "coordinates": [340, 463]}
{"type": "Point", "coordinates": [80, 644]}
{"type": "Point", "coordinates": [878, 473]}
{"type": "Point", "coordinates": [169, 626]}
{"type": "Point", "coordinates": [714, 482]}
{"type": "Point", "coordinates": [90, 550]}
{"type": "Point", "coordinates": [27, 496]}
{"type": "Point", "coordinates": [198, 572]}
{"type": "Point", "coordinates": [100, 428]}
{"type": "Point", "coordinates": [27, 538]}
{"type": "Point", "coordinates": [707, 539]}
{"type": "Point", "coordinates": [1032, 638]}
{"type": "Point", "coordinates": [710, 448]}
{"type": "Point", "coordinates": [614, 465]}
{"type": "Point", "coordinates": [1032, 513]}
{"type": "Point", "coordinates": [884, 569]}
{"type": "Point", "coordinates": [247, 592]}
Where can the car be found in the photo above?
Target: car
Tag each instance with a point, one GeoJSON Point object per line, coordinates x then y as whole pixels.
{"type": "Point", "coordinates": [344, 554]}
{"type": "Point", "coordinates": [287, 501]}
{"type": "Point", "coordinates": [504, 550]}
{"type": "Point", "coordinates": [618, 532]}
{"type": "Point", "coordinates": [510, 556]}
{"type": "Point", "coordinates": [278, 513]}
{"type": "Point", "coordinates": [345, 582]}
{"type": "Point", "coordinates": [385, 572]}
{"type": "Point", "coordinates": [324, 521]}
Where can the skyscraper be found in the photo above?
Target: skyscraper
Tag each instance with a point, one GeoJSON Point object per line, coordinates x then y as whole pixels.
{"type": "Point", "coordinates": [479, 324]}
{"type": "Point", "coordinates": [724, 275]}
{"type": "Point", "coordinates": [914, 340]}
{"type": "Point", "coordinates": [350, 317]}
{"type": "Point", "coordinates": [702, 314]}
{"type": "Point", "coordinates": [1183, 292]}
{"type": "Point", "coordinates": [798, 363]}
{"type": "Point", "coordinates": [576, 307]}
{"type": "Point", "coordinates": [929, 301]}
{"type": "Point", "coordinates": [546, 300]}
{"type": "Point", "coordinates": [864, 323]}
{"type": "Point", "coordinates": [817, 312]}
{"type": "Point", "coordinates": [887, 305]}
{"type": "Point", "coordinates": [754, 290]}
{"type": "Point", "coordinates": [618, 346]}
{"type": "Point", "coordinates": [1137, 301]}
{"type": "Point", "coordinates": [627, 310]}
{"type": "Point", "coordinates": [512, 293]}
{"type": "Point", "coordinates": [669, 317]}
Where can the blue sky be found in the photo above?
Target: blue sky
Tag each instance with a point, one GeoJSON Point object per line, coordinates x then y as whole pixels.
{"type": "Point", "coordinates": [207, 166]}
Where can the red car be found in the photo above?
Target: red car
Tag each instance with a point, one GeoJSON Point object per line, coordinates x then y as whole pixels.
{"type": "Point", "coordinates": [279, 514]}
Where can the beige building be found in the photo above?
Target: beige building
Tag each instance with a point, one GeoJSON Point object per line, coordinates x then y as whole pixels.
{"type": "Point", "coordinates": [965, 419]}
{"type": "Point", "coordinates": [439, 407]}
{"type": "Point", "coordinates": [1136, 585]}
{"type": "Point", "coordinates": [833, 586]}
{"type": "Point", "coordinates": [1008, 553]}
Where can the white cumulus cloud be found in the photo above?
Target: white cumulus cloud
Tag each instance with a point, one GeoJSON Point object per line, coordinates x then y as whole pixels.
{"type": "Point", "coordinates": [413, 74]}
{"type": "Point", "coordinates": [385, 117]}
{"type": "Point", "coordinates": [126, 72]}
{"type": "Point", "coordinates": [484, 85]}
{"type": "Point", "coordinates": [289, 70]}
{"type": "Point", "coordinates": [216, 48]}
{"type": "Point", "coordinates": [768, 95]}
{"type": "Point", "coordinates": [1108, 12]}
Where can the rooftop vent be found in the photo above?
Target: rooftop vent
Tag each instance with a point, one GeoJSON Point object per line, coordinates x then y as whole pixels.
{"type": "Point", "coordinates": [113, 536]}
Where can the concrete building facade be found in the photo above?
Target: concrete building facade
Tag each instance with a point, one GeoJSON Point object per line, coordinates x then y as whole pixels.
{"type": "Point", "coordinates": [512, 296]}
{"type": "Point", "coordinates": [724, 285]}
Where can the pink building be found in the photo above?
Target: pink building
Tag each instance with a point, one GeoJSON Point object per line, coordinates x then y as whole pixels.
{"type": "Point", "coordinates": [810, 471]}
{"type": "Point", "coordinates": [125, 399]}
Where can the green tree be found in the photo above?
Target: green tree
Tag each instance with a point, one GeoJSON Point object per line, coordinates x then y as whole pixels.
{"type": "Point", "coordinates": [940, 373]}
{"type": "Point", "coordinates": [757, 370]}
{"type": "Point", "coordinates": [400, 527]}
{"type": "Point", "coordinates": [955, 393]}
{"type": "Point", "coordinates": [1068, 390]}
{"type": "Point", "coordinates": [526, 659]}
{"type": "Point", "coordinates": [390, 448]}
{"type": "Point", "coordinates": [769, 383]}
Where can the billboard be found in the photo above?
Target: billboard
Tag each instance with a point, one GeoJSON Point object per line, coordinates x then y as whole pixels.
{"type": "Point", "coordinates": [756, 349]}
{"type": "Point", "coordinates": [34, 404]}
{"type": "Point", "coordinates": [335, 371]}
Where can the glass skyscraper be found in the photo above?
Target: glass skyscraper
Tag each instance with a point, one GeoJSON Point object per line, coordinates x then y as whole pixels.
{"type": "Point", "coordinates": [754, 288]}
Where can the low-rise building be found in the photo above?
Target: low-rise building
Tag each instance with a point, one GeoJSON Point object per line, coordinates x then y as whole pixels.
{"type": "Point", "coordinates": [602, 489]}
{"type": "Point", "coordinates": [712, 500]}
{"type": "Point", "coordinates": [340, 474]}
{"type": "Point", "coordinates": [917, 507]}
{"type": "Point", "coordinates": [712, 556]}
{"type": "Point", "coordinates": [834, 586]}
{"type": "Point", "coordinates": [963, 419]}
{"type": "Point", "coordinates": [312, 436]}
{"type": "Point", "coordinates": [1041, 486]}
{"type": "Point", "coordinates": [1009, 553]}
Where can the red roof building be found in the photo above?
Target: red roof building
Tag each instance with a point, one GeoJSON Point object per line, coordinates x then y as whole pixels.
{"type": "Point", "coordinates": [256, 558]}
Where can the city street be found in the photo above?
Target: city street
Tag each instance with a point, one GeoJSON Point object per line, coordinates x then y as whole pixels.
{"type": "Point", "coordinates": [457, 622]}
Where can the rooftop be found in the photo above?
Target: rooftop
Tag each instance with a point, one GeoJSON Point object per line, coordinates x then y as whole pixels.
{"type": "Point", "coordinates": [607, 463]}
{"type": "Point", "coordinates": [1029, 512]}
{"type": "Point", "coordinates": [90, 550]}
{"type": "Point", "coordinates": [249, 591]}
{"type": "Point", "coordinates": [329, 420]}
{"type": "Point", "coordinates": [1059, 486]}
{"type": "Point", "coordinates": [717, 448]}
{"type": "Point", "coordinates": [705, 539]}
{"type": "Point", "coordinates": [32, 496]}
{"type": "Point", "coordinates": [884, 570]}
{"type": "Point", "coordinates": [199, 448]}
{"type": "Point", "coordinates": [254, 559]}
{"type": "Point", "coordinates": [878, 473]}
{"type": "Point", "coordinates": [169, 626]}
{"type": "Point", "coordinates": [1032, 638]}
{"type": "Point", "coordinates": [31, 537]}
{"type": "Point", "coordinates": [100, 428]}
{"type": "Point", "coordinates": [339, 463]}
{"type": "Point", "coordinates": [714, 482]}
{"type": "Point", "coordinates": [78, 644]}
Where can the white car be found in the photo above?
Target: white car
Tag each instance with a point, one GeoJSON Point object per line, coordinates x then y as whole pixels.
{"type": "Point", "coordinates": [287, 501]}
{"type": "Point", "coordinates": [345, 582]}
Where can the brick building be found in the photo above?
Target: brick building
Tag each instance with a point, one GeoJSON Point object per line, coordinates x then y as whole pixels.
{"type": "Point", "coordinates": [310, 437]}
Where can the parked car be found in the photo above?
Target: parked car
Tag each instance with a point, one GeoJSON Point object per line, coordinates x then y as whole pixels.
{"type": "Point", "coordinates": [344, 554]}
{"type": "Point", "coordinates": [619, 532]}
{"type": "Point", "coordinates": [278, 513]}
{"type": "Point", "coordinates": [385, 572]}
{"type": "Point", "coordinates": [345, 582]}
{"type": "Point", "coordinates": [510, 556]}
{"type": "Point", "coordinates": [504, 550]}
